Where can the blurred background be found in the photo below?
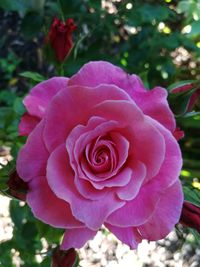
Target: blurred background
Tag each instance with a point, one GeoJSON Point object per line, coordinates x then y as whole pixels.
{"type": "Point", "coordinates": [157, 39]}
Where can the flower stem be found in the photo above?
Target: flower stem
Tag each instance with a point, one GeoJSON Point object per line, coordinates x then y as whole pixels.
{"type": "Point", "coordinates": [60, 69]}
{"type": "Point", "coordinates": [61, 11]}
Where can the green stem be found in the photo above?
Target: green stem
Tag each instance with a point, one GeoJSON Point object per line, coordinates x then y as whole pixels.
{"type": "Point", "coordinates": [61, 11]}
{"type": "Point", "coordinates": [60, 69]}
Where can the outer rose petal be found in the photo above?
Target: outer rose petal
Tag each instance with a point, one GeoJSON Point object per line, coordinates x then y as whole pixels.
{"type": "Point", "coordinates": [33, 156]}
{"type": "Point", "coordinates": [27, 124]}
{"type": "Point", "coordinates": [137, 211]}
{"type": "Point", "coordinates": [39, 97]}
{"type": "Point", "coordinates": [129, 235]}
{"type": "Point", "coordinates": [154, 104]}
{"type": "Point", "coordinates": [60, 178]}
{"type": "Point", "coordinates": [71, 103]}
{"type": "Point", "coordinates": [101, 72]}
{"type": "Point", "coordinates": [171, 167]}
{"type": "Point", "coordinates": [76, 238]}
{"type": "Point", "coordinates": [166, 214]}
{"type": "Point", "coordinates": [48, 207]}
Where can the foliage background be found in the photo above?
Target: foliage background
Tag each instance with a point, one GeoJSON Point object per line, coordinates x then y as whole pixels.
{"type": "Point", "coordinates": [156, 39]}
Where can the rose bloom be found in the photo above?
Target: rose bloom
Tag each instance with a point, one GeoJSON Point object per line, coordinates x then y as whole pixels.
{"type": "Point", "coordinates": [101, 150]}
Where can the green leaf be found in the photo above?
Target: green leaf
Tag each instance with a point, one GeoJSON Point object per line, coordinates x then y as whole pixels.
{"type": "Point", "coordinates": [179, 102]}
{"type": "Point", "coordinates": [196, 235]}
{"type": "Point", "coordinates": [36, 77]}
{"type": "Point", "coordinates": [22, 6]}
{"type": "Point", "coordinates": [18, 106]}
{"type": "Point", "coordinates": [180, 84]}
{"type": "Point", "coordinates": [4, 175]}
{"type": "Point", "coordinates": [154, 12]}
{"type": "Point", "coordinates": [31, 24]}
{"type": "Point", "coordinates": [192, 195]}
{"type": "Point", "coordinates": [51, 234]}
{"type": "Point", "coordinates": [195, 31]}
{"type": "Point", "coordinates": [191, 114]}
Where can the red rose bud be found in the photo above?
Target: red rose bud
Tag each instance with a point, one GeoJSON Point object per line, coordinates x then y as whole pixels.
{"type": "Point", "coordinates": [186, 87]}
{"type": "Point", "coordinates": [190, 216]}
{"type": "Point", "coordinates": [17, 187]}
{"type": "Point", "coordinates": [63, 258]}
{"type": "Point", "coordinates": [60, 37]}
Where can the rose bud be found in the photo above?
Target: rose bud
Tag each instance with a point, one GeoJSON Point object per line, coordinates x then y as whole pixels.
{"type": "Point", "coordinates": [194, 96]}
{"type": "Point", "coordinates": [60, 37]}
{"type": "Point", "coordinates": [17, 187]}
{"type": "Point", "coordinates": [190, 216]}
{"type": "Point", "coordinates": [63, 258]}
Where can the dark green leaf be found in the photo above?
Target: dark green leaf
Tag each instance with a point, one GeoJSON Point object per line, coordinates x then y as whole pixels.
{"type": "Point", "coordinates": [192, 195]}
{"type": "Point", "coordinates": [179, 102]}
{"type": "Point", "coordinates": [32, 24]}
{"type": "Point", "coordinates": [33, 76]}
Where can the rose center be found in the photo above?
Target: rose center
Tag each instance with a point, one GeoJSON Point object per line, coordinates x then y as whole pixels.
{"type": "Point", "coordinates": [101, 155]}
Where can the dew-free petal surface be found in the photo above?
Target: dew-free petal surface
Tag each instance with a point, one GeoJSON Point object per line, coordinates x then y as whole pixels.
{"type": "Point", "coordinates": [47, 207]}
{"type": "Point", "coordinates": [76, 238]}
{"type": "Point", "coordinates": [166, 214]}
{"type": "Point", "coordinates": [128, 235]}
{"type": "Point", "coordinates": [32, 158]}
{"type": "Point", "coordinates": [27, 124]}
{"type": "Point", "coordinates": [101, 72]}
{"type": "Point", "coordinates": [39, 97]}
{"type": "Point", "coordinates": [74, 105]}
{"type": "Point", "coordinates": [60, 178]}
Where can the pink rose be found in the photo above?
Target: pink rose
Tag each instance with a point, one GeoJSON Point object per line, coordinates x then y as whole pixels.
{"type": "Point", "coordinates": [101, 152]}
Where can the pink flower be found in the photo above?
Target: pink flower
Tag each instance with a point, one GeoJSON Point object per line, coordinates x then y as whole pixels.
{"type": "Point", "coordinates": [102, 152]}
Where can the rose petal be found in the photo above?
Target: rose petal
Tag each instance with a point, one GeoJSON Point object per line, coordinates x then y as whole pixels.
{"type": "Point", "coordinates": [47, 207]}
{"type": "Point", "coordinates": [60, 178]}
{"type": "Point", "coordinates": [129, 235]}
{"type": "Point", "coordinates": [146, 142]}
{"type": "Point", "coordinates": [78, 140]}
{"type": "Point", "coordinates": [137, 211]}
{"type": "Point", "coordinates": [172, 164]}
{"type": "Point", "coordinates": [154, 104]}
{"type": "Point", "coordinates": [76, 238]}
{"type": "Point", "coordinates": [130, 191]}
{"type": "Point", "coordinates": [100, 179]}
{"type": "Point", "coordinates": [100, 72]}
{"type": "Point", "coordinates": [71, 103]}
{"type": "Point", "coordinates": [27, 124]}
{"type": "Point", "coordinates": [32, 158]}
{"type": "Point", "coordinates": [166, 214]}
{"type": "Point", "coordinates": [39, 97]}
{"type": "Point", "coordinates": [88, 191]}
